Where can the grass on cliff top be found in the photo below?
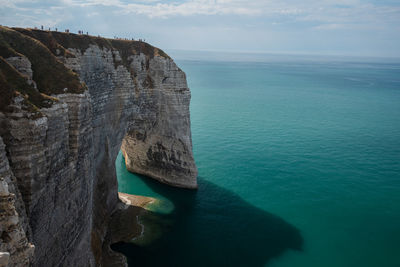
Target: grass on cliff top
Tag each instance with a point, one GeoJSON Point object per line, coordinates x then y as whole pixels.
{"type": "Point", "coordinates": [12, 84]}
{"type": "Point", "coordinates": [48, 40]}
{"type": "Point", "coordinates": [62, 41]}
{"type": "Point", "coordinates": [50, 75]}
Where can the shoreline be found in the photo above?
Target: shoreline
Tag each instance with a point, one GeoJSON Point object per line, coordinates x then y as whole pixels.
{"type": "Point", "coordinates": [137, 221]}
{"type": "Point", "coordinates": [126, 226]}
{"type": "Point", "coordinates": [138, 202]}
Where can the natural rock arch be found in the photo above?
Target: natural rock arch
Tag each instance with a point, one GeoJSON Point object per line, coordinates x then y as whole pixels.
{"type": "Point", "coordinates": [63, 154]}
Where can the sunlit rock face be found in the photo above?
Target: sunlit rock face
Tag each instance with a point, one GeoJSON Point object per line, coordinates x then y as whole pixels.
{"type": "Point", "coordinates": [159, 144]}
{"type": "Point", "coordinates": [64, 126]}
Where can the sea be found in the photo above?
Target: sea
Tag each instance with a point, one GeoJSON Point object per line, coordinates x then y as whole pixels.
{"type": "Point", "coordinates": [299, 165]}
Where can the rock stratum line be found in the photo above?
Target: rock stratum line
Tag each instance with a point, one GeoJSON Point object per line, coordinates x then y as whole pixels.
{"type": "Point", "coordinates": [68, 104]}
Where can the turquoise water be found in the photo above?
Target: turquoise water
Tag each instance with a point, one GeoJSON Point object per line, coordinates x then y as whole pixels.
{"type": "Point", "coordinates": [299, 165]}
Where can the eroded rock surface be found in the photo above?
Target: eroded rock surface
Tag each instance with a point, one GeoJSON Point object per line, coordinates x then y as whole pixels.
{"type": "Point", "coordinates": [15, 250]}
{"type": "Point", "coordinates": [61, 140]}
{"type": "Point", "coordinates": [159, 144]}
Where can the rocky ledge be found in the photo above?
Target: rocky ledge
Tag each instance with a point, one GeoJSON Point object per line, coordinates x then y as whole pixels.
{"type": "Point", "coordinates": [68, 104]}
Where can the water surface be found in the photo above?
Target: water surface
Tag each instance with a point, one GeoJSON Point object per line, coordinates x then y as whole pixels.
{"type": "Point", "coordinates": [299, 165]}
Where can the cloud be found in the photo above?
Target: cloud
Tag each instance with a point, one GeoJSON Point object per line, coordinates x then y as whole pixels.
{"type": "Point", "coordinates": [320, 13]}
{"type": "Point", "coordinates": [325, 11]}
{"type": "Point", "coordinates": [198, 7]}
{"type": "Point", "coordinates": [274, 23]}
{"type": "Point", "coordinates": [331, 26]}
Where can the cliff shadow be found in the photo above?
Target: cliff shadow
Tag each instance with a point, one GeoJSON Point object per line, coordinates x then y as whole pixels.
{"type": "Point", "coordinates": [213, 227]}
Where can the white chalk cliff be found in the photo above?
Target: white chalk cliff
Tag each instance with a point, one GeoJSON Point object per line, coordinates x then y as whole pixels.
{"type": "Point", "coordinates": [69, 103]}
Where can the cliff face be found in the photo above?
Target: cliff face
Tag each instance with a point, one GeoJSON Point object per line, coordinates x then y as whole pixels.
{"type": "Point", "coordinates": [160, 145]}
{"type": "Point", "coordinates": [68, 102]}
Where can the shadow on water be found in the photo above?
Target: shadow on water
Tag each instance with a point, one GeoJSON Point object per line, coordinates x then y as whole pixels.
{"type": "Point", "coordinates": [213, 227]}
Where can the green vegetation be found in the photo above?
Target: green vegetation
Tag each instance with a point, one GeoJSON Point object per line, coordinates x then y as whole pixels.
{"type": "Point", "coordinates": [12, 84]}
{"type": "Point", "coordinates": [77, 41]}
{"type": "Point", "coordinates": [48, 40]}
{"type": "Point", "coordinates": [61, 41]}
{"type": "Point", "coordinates": [50, 75]}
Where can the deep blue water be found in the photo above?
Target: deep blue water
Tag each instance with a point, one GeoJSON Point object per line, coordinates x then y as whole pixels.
{"type": "Point", "coordinates": [299, 165]}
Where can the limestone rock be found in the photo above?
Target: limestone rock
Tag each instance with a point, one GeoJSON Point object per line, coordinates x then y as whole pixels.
{"type": "Point", "coordinates": [24, 66]}
{"type": "Point", "coordinates": [15, 250]}
{"type": "Point", "coordinates": [160, 144]}
{"type": "Point", "coordinates": [61, 144]}
{"type": "Point", "coordinates": [4, 258]}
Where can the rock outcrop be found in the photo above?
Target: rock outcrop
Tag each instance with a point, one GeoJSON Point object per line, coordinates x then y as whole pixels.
{"type": "Point", "coordinates": [160, 145]}
{"type": "Point", "coordinates": [67, 104]}
{"type": "Point", "coordinates": [15, 250]}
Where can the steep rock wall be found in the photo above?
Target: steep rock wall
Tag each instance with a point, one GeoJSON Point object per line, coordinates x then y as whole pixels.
{"type": "Point", "coordinates": [62, 139]}
{"type": "Point", "coordinates": [13, 224]}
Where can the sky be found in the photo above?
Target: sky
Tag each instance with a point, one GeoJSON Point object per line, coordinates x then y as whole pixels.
{"type": "Point", "coordinates": [324, 27]}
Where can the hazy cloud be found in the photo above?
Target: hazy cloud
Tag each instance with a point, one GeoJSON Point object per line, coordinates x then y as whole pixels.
{"type": "Point", "coordinates": [307, 25]}
{"type": "Point", "coordinates": [324, 10]}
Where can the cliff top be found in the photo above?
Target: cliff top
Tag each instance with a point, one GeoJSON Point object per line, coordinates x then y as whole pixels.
{"type": "Point", "coordinates": [50, 75]}
{"type": "Point", "coordinates": [60, 40]}
{"type": "Point", "coordinates": [45, 49]}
